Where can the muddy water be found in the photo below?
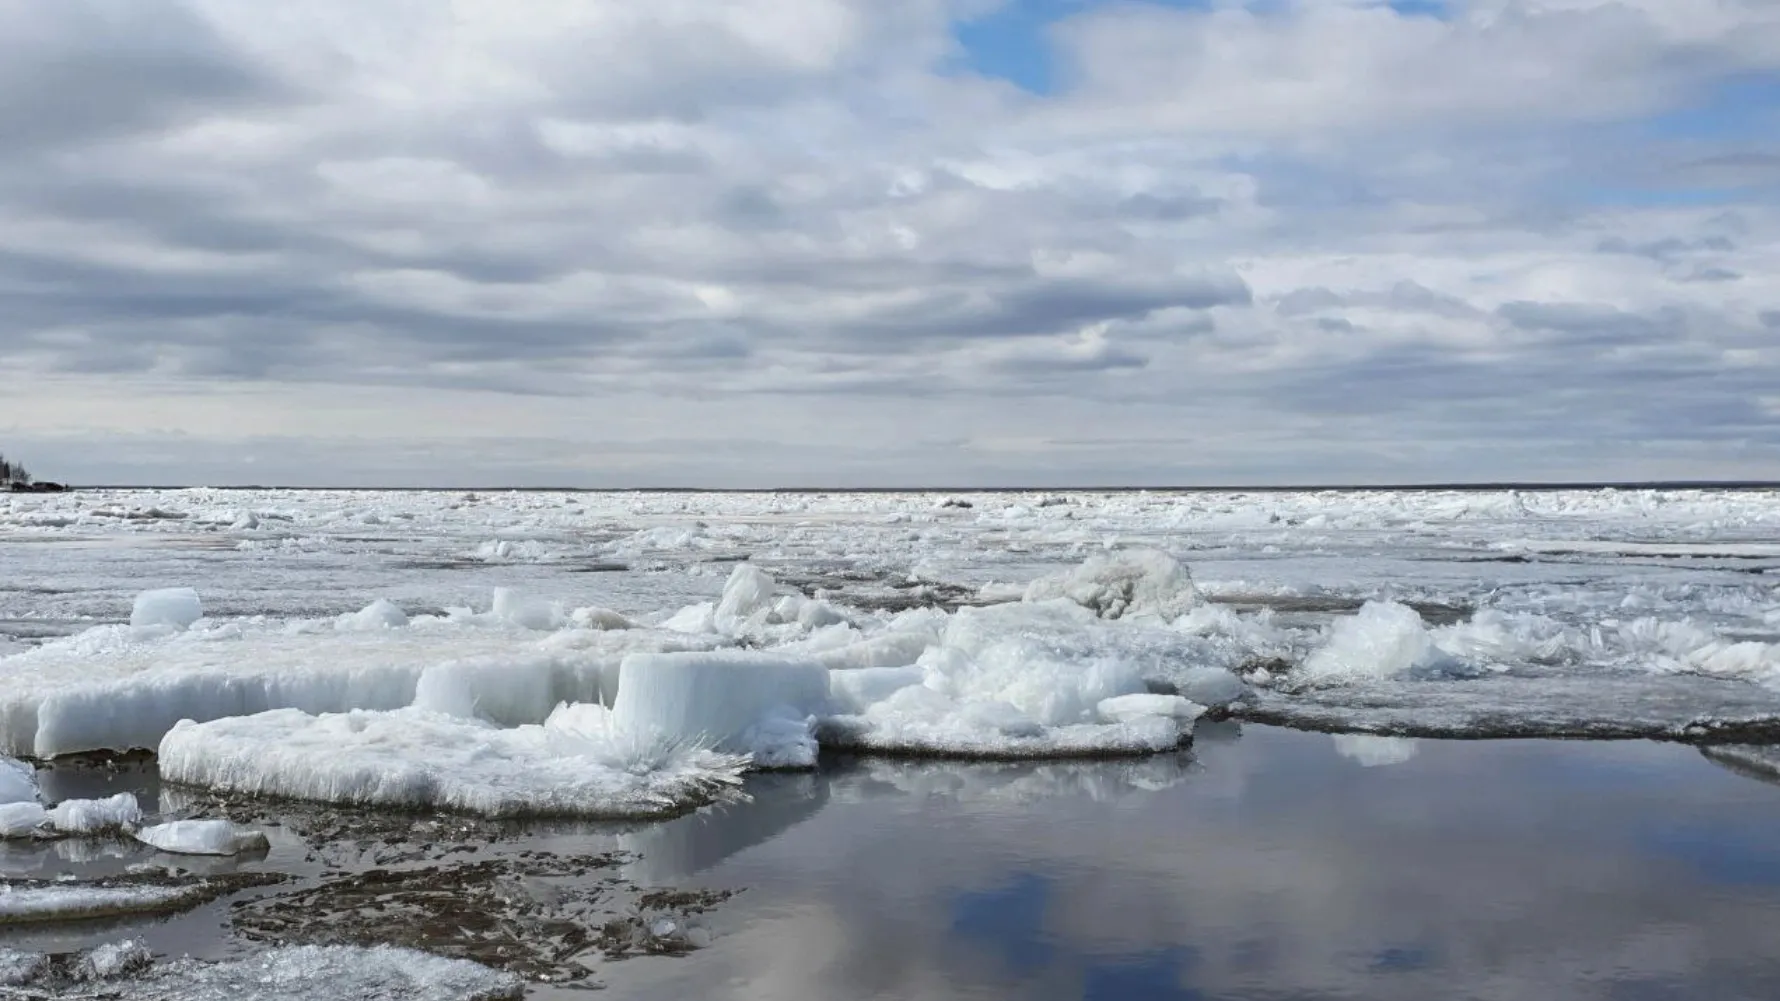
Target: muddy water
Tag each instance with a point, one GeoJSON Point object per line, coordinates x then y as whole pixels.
{"type": "Point", "coordinates": [1265, 863]}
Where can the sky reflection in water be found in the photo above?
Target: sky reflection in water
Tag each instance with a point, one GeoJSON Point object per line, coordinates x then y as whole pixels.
{"type": "Point", "coordinates": [1268, 864]}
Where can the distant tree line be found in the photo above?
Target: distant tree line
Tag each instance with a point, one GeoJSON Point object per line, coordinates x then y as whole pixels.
{"type": "Point", "coordinates": [13, 472]}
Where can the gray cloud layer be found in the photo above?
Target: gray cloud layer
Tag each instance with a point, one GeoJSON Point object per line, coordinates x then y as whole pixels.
{"type": "Point", "coordinates": [1416, 249]}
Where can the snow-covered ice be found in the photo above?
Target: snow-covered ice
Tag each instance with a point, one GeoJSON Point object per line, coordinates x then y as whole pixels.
{"type": "Point", "coordinates": [576, 763]}
{"type": "Point", "coordinates": [1585, 612]}
{"type": "Point", "coordinates": [201, 837]}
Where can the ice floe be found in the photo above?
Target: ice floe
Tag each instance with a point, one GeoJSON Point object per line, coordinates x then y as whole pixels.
{"type": "Point", "coordinates": [128, 971]}
{"type": "Point", "coordinates": [577, 763]}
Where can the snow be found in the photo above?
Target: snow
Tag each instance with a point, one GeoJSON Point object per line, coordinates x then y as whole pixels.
{"type": "Point", "coordinates": [577, 763]}
{"type": "Point", "coordinates": [175, 607]}
{"type": "Point", "coordinates": [18, 782]}
{"type": "Point", "coordinates": [745, 703]}
{"type": "Point", "coordinates": [201, 837]}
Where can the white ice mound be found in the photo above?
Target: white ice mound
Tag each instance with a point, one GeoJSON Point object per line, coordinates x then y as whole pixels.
{"type": "Point", "coordinates": [1383, 640]}
{"type": "Point", "coordinates": [1137, 582]}
{"type": "Point", "coordinates": [96, 816]}
{"type": "Point", "coordinates": [18, 782]}
{"type": "Point", "coordinates": [745, 703]}
{"type": "Point", "coordinates": [379, 614]}
{"type": "Point", "coordinates": [576, 764]}
{"type": "Point", "coordinates": [22, 820]}
{"type": "Point", "coordinates": [1012, 681]}
{"type": "Point", "coordinates": [201, 837]}
{"type": "Point", "coordinates": [176, 607]}
{"type": "Point", "coordinates": [747, 593]}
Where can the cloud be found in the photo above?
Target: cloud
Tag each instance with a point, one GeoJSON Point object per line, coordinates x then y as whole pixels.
{"type": "Point", "coordinates": [807, 217]}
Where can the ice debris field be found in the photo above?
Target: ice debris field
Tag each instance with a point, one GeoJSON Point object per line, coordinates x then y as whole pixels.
{"type": "Point", "coordinates": [632, 655]}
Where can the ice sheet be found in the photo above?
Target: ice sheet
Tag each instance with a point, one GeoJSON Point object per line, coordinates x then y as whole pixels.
{"type": "Point", "coordinates": [575, 764]}
{"type": "Point", "coordinates": [107, 689]}
{"type": "Point", "coordinates": [37, 902]}
{"type": "Point", "coordinates": [126, 971]}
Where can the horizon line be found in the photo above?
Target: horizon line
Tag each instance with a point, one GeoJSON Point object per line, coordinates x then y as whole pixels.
{"type": "Point", "coordinates": [1525, 485]}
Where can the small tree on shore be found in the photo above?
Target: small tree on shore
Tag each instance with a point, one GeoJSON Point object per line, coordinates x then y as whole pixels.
{"type": "Point", "coordinates": [13, 472]}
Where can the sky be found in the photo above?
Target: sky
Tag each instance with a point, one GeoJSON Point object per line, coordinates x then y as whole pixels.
{"type": "Point", "coordinates": [868, 243]}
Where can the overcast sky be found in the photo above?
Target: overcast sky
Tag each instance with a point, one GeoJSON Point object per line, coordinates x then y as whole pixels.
{"type": "Point", "coordinates": [882, 242]}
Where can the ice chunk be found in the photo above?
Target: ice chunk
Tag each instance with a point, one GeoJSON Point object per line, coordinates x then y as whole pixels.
{"type": "Point", "coordinates": [527, 613]}
{"type": "Point", "coordinates": [1373, 752]}
{"type": "Point", "coordinates": [1126, 708]}
{"type": "Point", "coordinates": [746, 592]}
{"type": "Point", "coordinates": [114, 959]}
{"type": "Point", "coordinates": [177, 607]}
{"type": "Point", "coordinates": [18, 782]}
{"type": "Point", "coordinates": [514, 690]}
{"type": "Point", "coordinates": [746, 703]}
{"type": "Point", "coordinates": [575, 764]}
{"type": "Point", "coordinates": [379, 614]}
{"type": "Point", "coordinates": [22, 820]}
{"type": "Point", "coordinates": [20, 968]}
{"type": "Point", "coordinates": [1384, 639]}
{"type": "Point", "coordinates": [201, 837]}
{"type": "Point", "coordinates": [92, 816]}
{"type": "Point", "coordinates": [1127, 584]}
{"type": "Point", "coordinates": [1211, 686]}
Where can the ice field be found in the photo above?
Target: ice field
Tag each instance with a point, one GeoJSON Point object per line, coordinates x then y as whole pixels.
{"type": "Point", "coordinates": [707, 671]}
{"type": "Point", "coordinates": [685, 633]}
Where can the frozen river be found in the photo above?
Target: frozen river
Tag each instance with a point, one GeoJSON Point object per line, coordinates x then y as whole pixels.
{"type": "Point", "coordinates": [497, 654]}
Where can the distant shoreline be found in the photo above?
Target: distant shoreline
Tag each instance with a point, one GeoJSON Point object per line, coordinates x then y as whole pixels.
{"type": "Point", "coordinates": [1526, 487]}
